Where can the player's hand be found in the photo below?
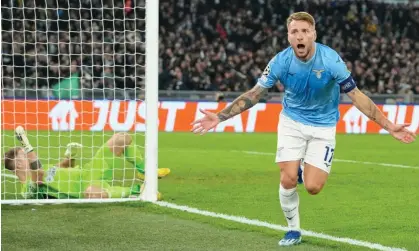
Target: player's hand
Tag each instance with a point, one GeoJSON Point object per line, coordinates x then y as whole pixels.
{"type": "Point", "coordinates": [73, 150]}
{"type": "Point", "coordinates": [400, 133]}
{"type": "Point", "coordinates": [208, 122]}
{"type": "Point", "coordinates": [23, 139]}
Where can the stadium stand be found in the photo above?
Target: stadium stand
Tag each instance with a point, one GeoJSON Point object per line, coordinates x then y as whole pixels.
{"type": "Point", "coordinates": [204, 44]}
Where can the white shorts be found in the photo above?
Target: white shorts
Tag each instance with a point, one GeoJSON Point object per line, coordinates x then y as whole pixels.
{"type": "Point", "coordinates": [314, 145]}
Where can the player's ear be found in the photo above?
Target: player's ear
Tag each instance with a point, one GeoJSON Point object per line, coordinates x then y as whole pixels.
{"type": "Point", "coordinates": [315, 35]}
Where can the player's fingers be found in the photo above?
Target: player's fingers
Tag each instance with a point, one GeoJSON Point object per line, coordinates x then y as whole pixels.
{"type": "Point", "coordinates": [205, 112]}
{"type": "Point", "coordinates": [204, 131]}
{"type": "Point", "coordinates": [196, 121]}
{"type": "Point", "coordinates": [402, 138]}
{"type": "Point", "coordinates": [196, 126]}
{"type": "Point", "coordinates": [407, 138]}
{"type": "Point", "coordinates": [198, 129]}
{"type": "Point", "coordinates": [412, 134]}
{"type": "Point", "coordinates": [20, 129]}
{"type": "Point", "coordinates": [411, 138]}
{"type": "Point", "coordinates": [401, 127]}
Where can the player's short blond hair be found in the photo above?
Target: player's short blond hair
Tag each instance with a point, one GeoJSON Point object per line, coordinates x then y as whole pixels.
{"type": "Point", "coordinates": [301, 16]}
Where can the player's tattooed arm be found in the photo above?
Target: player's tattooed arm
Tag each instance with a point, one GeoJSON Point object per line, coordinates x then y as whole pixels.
{"type": "Point", "coordinates": [368, 107]}
{"type": "Point", "coordinates": [244, 102]}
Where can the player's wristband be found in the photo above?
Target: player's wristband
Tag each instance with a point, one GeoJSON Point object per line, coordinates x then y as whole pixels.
{"type": "Point", "coordinates": [28, 148]}
{"type": "Point", "coordinates": [35, 165]}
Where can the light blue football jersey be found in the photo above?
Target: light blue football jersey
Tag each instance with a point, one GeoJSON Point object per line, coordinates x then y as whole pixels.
{"type": "Point", "coordinates": [312, 88]}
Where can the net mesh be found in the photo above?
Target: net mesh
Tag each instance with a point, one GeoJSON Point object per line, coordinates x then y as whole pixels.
{"type": "Point", "coordinates": [72, 71]}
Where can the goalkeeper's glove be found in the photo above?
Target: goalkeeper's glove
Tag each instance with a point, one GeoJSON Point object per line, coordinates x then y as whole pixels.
{"type": "Point", "coordinates": [23, 139]}
{"type": "Point", "coordinates": [73, 150]}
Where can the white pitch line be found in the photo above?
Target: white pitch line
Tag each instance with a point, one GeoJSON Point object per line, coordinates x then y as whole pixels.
{"type": "Point", "coordinates": [258, 223]}
{"type": "Point", "coordinates": [273, 154]}
{"type": "Point", "coordinates": [340, 160]}
{"type": "Point", "coordinates": [375, 163]}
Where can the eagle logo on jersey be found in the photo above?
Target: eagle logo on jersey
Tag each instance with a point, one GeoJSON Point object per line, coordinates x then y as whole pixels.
{"type": "Point", "coordinates": [318, 73]}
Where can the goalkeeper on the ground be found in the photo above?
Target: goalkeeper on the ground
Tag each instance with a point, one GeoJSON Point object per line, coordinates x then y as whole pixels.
{"type": "Point", "coordinates": [66, 180]}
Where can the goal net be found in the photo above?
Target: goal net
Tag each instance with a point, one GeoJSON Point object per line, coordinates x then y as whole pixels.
{"type": "Point", "coordinates": [81, 78]}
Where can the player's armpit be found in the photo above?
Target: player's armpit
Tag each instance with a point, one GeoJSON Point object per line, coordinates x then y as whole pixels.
{"type": "Point", "coordinates": [368, 107]}
{"type": "Point", "coordinates": [244, 102]}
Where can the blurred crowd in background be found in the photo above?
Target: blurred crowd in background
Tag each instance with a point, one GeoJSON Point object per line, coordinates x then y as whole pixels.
{"type": "Point", "coordinates": [209, 45]}
{"type": "Point", "coordinates": [45, 41]}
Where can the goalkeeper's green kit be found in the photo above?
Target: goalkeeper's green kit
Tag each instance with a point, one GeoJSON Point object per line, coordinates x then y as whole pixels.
{"type": "Point", "coordinates": [73, 182]}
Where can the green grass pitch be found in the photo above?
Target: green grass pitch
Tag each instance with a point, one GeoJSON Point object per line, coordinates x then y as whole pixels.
{"type": "Point", "coordinates": [374, 203]}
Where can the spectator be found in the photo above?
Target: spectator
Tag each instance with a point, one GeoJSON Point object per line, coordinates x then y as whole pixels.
{"type": "Point", "coordinates": [42, 46]}
{"type": "Point", "coordinates": [204, 45]}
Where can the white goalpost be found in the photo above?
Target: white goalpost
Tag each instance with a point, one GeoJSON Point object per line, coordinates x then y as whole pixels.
{"type": "Point", "coordinates": [152, 89]}
{"type": "Point", "coordinates": [80, 71]}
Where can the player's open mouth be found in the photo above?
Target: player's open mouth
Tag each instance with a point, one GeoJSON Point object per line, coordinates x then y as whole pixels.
{"type": "Point", "coordinates": [301, 46]}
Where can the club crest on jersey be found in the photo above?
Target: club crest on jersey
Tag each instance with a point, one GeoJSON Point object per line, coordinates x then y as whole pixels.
{"type": "Point", "coordinates": [318, 73]}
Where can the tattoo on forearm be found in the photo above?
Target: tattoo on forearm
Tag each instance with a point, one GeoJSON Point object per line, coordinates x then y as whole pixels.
{"type": "Point", "coordinates": [367, 106]}
{"type": "Point", "coordinates": [374, 113]}
{"type": "Point", "coordinates": [242, 103]}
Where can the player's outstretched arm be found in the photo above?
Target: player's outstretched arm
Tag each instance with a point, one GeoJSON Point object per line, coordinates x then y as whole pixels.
{"type": "Point", "coordinates": [67, 163]}
{"type": "Point", "coordinates": [239, 105]}
{"type": "Point", "coordinates": [71, 154]}
{"type": "Point", "coordinates": [244, 102]}
{"type": "Point", "coordinates": [34, 163]}
{"type": "Point", "coordinates": [368, 107]}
